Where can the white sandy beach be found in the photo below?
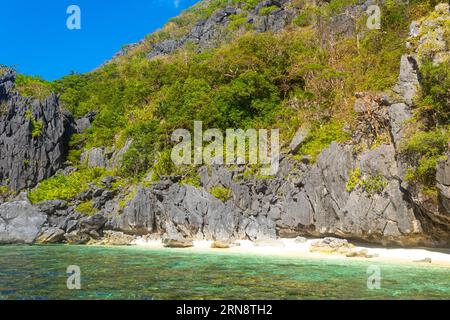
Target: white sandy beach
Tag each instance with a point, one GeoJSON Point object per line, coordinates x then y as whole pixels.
{"type": "Point", "coordinates": [291, 248]}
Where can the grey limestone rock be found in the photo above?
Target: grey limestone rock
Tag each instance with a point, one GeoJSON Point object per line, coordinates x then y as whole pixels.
{"type": "Point", "coordinates": [20, 223]}
{"type": "Point", "coordinates": [408, 81]}
{"type": "Point", "coordinates": [399, 114]}
{"type": "Point", "coordinates": [51, 235]}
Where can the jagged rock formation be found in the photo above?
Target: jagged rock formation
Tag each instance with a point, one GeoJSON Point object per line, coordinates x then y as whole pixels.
{"type": "Point", "coordinates": [104, 157]}
{"type": "Point", "coordinates": [177, 211]}
{"type": "Point", "coordinates": [85, 122]}
{"type": "Point", "coordinates": [443, 184]}
{"type": "Point", "coordinates": [208, 33]}
{"type": "Point", "coordinates": [33, 137]}
{"type": "Point", "coordinates": [408, 81]}
{"type": "Point", "coordinates": [428, 34]}
{"type": "Point", "coordinates": [308, 201]}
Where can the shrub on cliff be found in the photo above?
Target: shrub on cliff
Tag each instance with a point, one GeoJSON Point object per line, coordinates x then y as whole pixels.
{"type": "Point", "coordinates": [66, 187]}
{"type": "Point", "coordinates": [30, 86]}
{"type": "Point", "coordinates": [424, 149]}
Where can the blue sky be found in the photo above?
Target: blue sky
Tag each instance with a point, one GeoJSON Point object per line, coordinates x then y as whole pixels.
{"type": "Point", "coordinates": [35, 38]}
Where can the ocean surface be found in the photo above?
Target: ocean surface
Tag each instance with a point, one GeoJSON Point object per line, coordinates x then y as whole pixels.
{"type": "Point", "coordinates": [40, 272]}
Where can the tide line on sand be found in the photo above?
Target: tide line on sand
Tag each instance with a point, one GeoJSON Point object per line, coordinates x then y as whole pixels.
{"type": "Point", "coordinates": [292, 248]}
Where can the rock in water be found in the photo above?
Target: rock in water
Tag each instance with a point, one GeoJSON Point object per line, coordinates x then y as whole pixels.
{"type": "Point", "coordinates": [20, 223]}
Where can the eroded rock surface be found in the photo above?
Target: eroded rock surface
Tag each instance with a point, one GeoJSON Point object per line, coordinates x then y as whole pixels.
{"type": "Point", "coordinates": [20, 223]}
{"type": "Point", "coordinates": [209, 33]}
{"type": "Point", "coordinates": [33, 137]}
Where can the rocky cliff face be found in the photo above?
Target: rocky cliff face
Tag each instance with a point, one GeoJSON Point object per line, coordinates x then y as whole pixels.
{"type": "Point", "coordinates": [428, 35]}
{"type": "Point", "coordinates": [347, 193]}
{"type": "Point", "coordinates": [212, 31]}
{"type": "Point", "coordinates": [302, 200]}
{"type": "Point", "coordinates": [33, 137]}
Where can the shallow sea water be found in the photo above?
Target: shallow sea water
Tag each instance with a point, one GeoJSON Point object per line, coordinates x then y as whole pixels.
{"type": "Point", "coordinates": [39, 272]}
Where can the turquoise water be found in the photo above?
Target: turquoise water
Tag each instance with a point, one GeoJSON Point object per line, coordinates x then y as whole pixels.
{"type": "Point", "coordinates": [39, 272]}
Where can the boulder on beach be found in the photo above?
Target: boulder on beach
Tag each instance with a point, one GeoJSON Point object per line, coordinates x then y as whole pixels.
{"type": "Point", "coordinates": [224, 244]}
{"type": "Point", "coordinates": [20, 223]}
{"type": "Point", "coordinates": [331, 246]}
{"type": "Point", "coordinates": [114, 238]}
{"type": "Point", "coordinates": [219, 244]}
{"type": "Point", "coordinates": [177, 243]}
{"type": "Point", "coordinates": [50, 235]}
{"type": "Point", "coordinates": [77, 237]}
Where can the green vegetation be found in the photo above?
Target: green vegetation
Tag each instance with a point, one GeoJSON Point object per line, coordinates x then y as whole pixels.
{"type": "Point", "coordinates": [221, 193]}
{"type": "Point", "coordinates": [267, 80]}
{"type": "Point", "coordinates": [248, 4]}
{"type": "Point", "coordinates": [371, 185]}
{"type": "Point", "coordinates": [354, 179]}
{"type": "Point", "coordinates": [335, 7]}
{"type": "Point", "coordinates": [306, 17]}
{"type": "Point", "coordinates": [3, 189]}
{"type": "Point", "coordinates": [36, 125]}
{"type": "Point", "coordinates": [31, 86]}
{"type": "Point", "coordinates": [321, 137]}
{"type": "Point", "coordinates": [237, 21]}
{"type": "Point", "coordinates": [5, 192]}
{"type": "Point", "coordinates": [429, 135]}
{"type": "Point", "coordinates": [424, 149]}
{"type": "Point", "coordinates": [434, 108]}
{"type": "Point", "coordinates": [164, 166]}
{"type": "Point", "coordinates": [267, 10]}
{"type": "Point", "coordinates": [86, 208]}
{"type": "Point", "coordinates": [66, 187]}
{"type": "Point", "coordinates": [76, 143]}
{"type": "Point", "coordinates": [191, 178]}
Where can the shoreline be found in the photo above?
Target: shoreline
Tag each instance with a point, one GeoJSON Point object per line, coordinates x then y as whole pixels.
{"type": "Point", "coordinates": [292, 249]}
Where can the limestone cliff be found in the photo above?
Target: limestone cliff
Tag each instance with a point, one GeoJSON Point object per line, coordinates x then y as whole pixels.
{"type": "Point", "coordinates": [33, 137]}
{"type": "Point", "coordinates": [350, 191]}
